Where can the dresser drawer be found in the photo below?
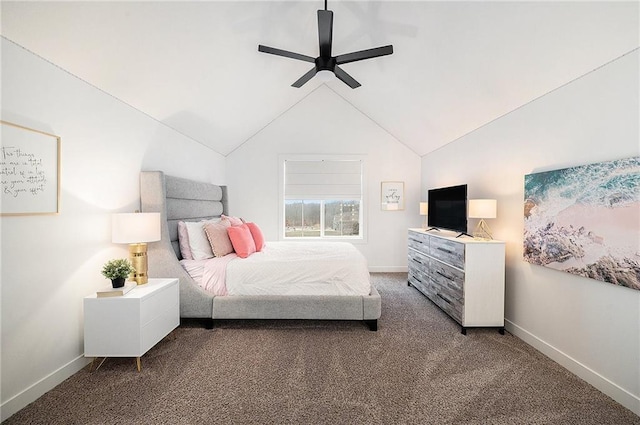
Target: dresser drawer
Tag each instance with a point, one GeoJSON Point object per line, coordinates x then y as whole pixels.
{"type": "Point", "coordinates": [158, 303]}
{"type": "Point", "coordinates": [447, 277]}
{"type": "Point", "coordinates": [448, 285]}
{"type": "Point", "coordinates": [419, 241]}
{"type": "Point", "coordinates": [420, 285]}
{"type": "Point", "coordinates": [161, 325]}
{"type": "Point", "coordinates": [418, 270]}
{"type": "Point", "coordinates": [417, 259]}
{"type": "Point", "coordinates": [448, 305]}
{"type": "Point", "coordinates": [447, 251]}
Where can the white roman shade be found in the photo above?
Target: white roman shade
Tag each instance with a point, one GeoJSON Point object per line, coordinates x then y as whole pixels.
{"type": "Point", "coordinates": [322, 179]}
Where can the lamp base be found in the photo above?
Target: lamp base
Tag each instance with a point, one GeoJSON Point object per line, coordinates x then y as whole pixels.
{"type": "Point", "coordinates": [482, 231]}
{"type": "Point", "coordinates": [138, 258]}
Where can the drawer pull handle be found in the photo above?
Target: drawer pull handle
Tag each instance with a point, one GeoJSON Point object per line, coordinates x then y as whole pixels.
{"type": "Point", "coordinates": [443, 298]}
{"type": "Point", "coordinates": [444, 275]}
{"type": "Point", "coordinates": [445, 250]}
{"type": "Point", "coordinates": [416, 241]}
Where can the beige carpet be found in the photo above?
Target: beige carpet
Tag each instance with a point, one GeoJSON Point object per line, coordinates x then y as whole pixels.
{"type": "Point", "coordinates": [417, 369]}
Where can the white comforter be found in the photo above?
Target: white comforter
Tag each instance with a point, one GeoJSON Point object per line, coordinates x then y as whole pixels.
{"type": "Point", "coordinates": [286, 268]}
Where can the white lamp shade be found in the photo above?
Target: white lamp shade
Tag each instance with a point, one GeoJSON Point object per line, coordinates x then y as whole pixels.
{"type": "Point", "coordinates": [424, 208]}
{"type": "Point", "coordinates": [483, 208]}
{"type": "Point", "coordinates": [135, 227]}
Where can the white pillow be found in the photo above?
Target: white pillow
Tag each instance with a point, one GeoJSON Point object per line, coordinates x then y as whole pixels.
{"type": "Point", "coordinates": [198, 242]}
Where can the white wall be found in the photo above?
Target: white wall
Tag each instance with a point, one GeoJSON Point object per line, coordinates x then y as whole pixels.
{"type": "Point", "coordinates": [49, 263]}
{"type": "Point", "coordinates": [324, 123]}
{"type": "Point", "coordinates": [591, 327]}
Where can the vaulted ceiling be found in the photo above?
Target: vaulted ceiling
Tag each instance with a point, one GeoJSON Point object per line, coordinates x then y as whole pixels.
{"type": "Point", "coordinates": [195, 66]}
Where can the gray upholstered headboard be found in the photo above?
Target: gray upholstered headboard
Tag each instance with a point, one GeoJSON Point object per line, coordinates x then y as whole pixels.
{"type": "Point", "coordinates": [189, 200]}
{"type": "Point", "coordinates": [178, 199]}
{"type": "Point", "coordinates": [184, 200]}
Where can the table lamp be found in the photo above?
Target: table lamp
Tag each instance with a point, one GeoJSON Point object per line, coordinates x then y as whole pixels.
{"type": "Point", "coordinates": [136, 229]}
{"type": "Point", "coordinates": [424, 210]}
{"type": "Point", "coordinates": [483, 208]}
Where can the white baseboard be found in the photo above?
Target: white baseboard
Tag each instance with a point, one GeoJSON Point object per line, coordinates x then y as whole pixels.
{"type": "Point", "coordinates": [620, 395]}
{"type": "Point", "coordinates": [31, 394]}
{"type": "Point", "coordinates": [388, 269]}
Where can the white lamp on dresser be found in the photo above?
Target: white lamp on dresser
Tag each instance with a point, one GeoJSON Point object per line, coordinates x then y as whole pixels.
{"type": "Point", "coordinates": [424, 211]}
{"type": "Point", "coordinates": [483, 208]}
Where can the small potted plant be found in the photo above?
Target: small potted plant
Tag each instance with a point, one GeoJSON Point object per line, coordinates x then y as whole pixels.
{"type": "Point", "coordinates": [117, 270]}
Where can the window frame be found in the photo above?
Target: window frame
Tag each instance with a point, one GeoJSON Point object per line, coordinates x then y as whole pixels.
{"type": "Point", "coordinates": [362, 238]}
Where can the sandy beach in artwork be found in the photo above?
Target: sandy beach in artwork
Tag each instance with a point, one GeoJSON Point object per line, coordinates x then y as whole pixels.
{"type": "Point", "coordinates": [599, 231]}
{"type": "Point", "coordinates": [594, 241]}
{"type": "Point", "coordinates": [608, 227]}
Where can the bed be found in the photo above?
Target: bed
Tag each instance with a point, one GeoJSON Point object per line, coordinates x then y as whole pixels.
{"type": "Point", "coordinates": [179, 199]}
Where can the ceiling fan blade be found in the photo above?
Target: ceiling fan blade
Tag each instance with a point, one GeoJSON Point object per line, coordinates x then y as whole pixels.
{"type": "Point", "coordinates": [325, 32]}
{"type": "Point", "coordinates": [346, 78]}
{"type": "Point", "coordinates": [364, 54]}
{"type": "Point", "coordinates": [306, 77]}
{"type": "Point", "coordinates": [285, 53]}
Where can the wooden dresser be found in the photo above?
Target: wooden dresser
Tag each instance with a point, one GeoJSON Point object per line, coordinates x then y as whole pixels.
{"type": "Point", "coordinates": [463, 276]}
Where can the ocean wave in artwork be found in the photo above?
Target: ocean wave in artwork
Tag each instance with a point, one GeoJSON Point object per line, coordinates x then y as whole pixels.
{"type": "Point", "coordinates": [585, 220]}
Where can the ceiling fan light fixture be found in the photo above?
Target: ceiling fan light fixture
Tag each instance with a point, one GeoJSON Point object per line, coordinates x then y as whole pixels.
{"type": "Point", "coordinates": [325, 76]}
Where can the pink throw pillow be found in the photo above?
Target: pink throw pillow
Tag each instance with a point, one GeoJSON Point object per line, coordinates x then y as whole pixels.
{"type": "Point", "coordinates": [242, 240]}
{"type": "Point", "coordinates": [258, 237]}
{"type": "Point", "coordinates": [234, 221]}
{"type": "Point", "coordinates": [218, 238]}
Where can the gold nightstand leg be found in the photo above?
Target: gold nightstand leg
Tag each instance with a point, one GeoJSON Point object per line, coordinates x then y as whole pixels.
{"type": "Point", "coordinates": [91, 369]}
{"type": "Point", "coordinates": [138, 363]}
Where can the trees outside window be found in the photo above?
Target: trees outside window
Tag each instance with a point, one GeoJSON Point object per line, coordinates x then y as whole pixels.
{"type": "Point", "coordinates": [322, 218]}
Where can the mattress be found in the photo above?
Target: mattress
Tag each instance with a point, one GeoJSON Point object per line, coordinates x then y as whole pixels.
{"type": "Point", "coordinates": [286, 268]}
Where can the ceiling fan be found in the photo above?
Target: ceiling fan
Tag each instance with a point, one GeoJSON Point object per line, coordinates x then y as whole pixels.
{"type": "Point", "coordinates": [326, 62]}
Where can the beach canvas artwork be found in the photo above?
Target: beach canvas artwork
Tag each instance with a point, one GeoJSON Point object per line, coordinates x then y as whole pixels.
{"type": "Point", "coordinates": [585, 220]}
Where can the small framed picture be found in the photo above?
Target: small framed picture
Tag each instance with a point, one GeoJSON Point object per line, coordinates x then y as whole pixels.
{"type": "Point", "coordinates": [392, 196]}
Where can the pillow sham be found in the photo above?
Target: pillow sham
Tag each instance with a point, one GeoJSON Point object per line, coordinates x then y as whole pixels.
{"type": "Point", "coordinates": [258, 237]}
{"type": "Point", "coordinates": [234, 221]}
{"type": "Point", "coordinates": [198, 242]}
{"type": "Point", "coordinates": [218, 237]}
{"type": "Point", "coordinates": [183, 241]}
{"type": "Point", "coordinates": [242, 240]}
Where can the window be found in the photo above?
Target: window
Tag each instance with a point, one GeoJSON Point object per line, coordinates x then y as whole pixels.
{"type": "Point", "coordinates": [322, 198]}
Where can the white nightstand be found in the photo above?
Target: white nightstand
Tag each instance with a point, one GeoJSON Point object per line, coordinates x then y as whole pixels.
{"type": "Point", "coordinates": [128, 326]}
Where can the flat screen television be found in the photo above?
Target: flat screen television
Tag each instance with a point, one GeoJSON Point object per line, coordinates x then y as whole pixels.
{"type": "Point", "coordinates": [448, 208]}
